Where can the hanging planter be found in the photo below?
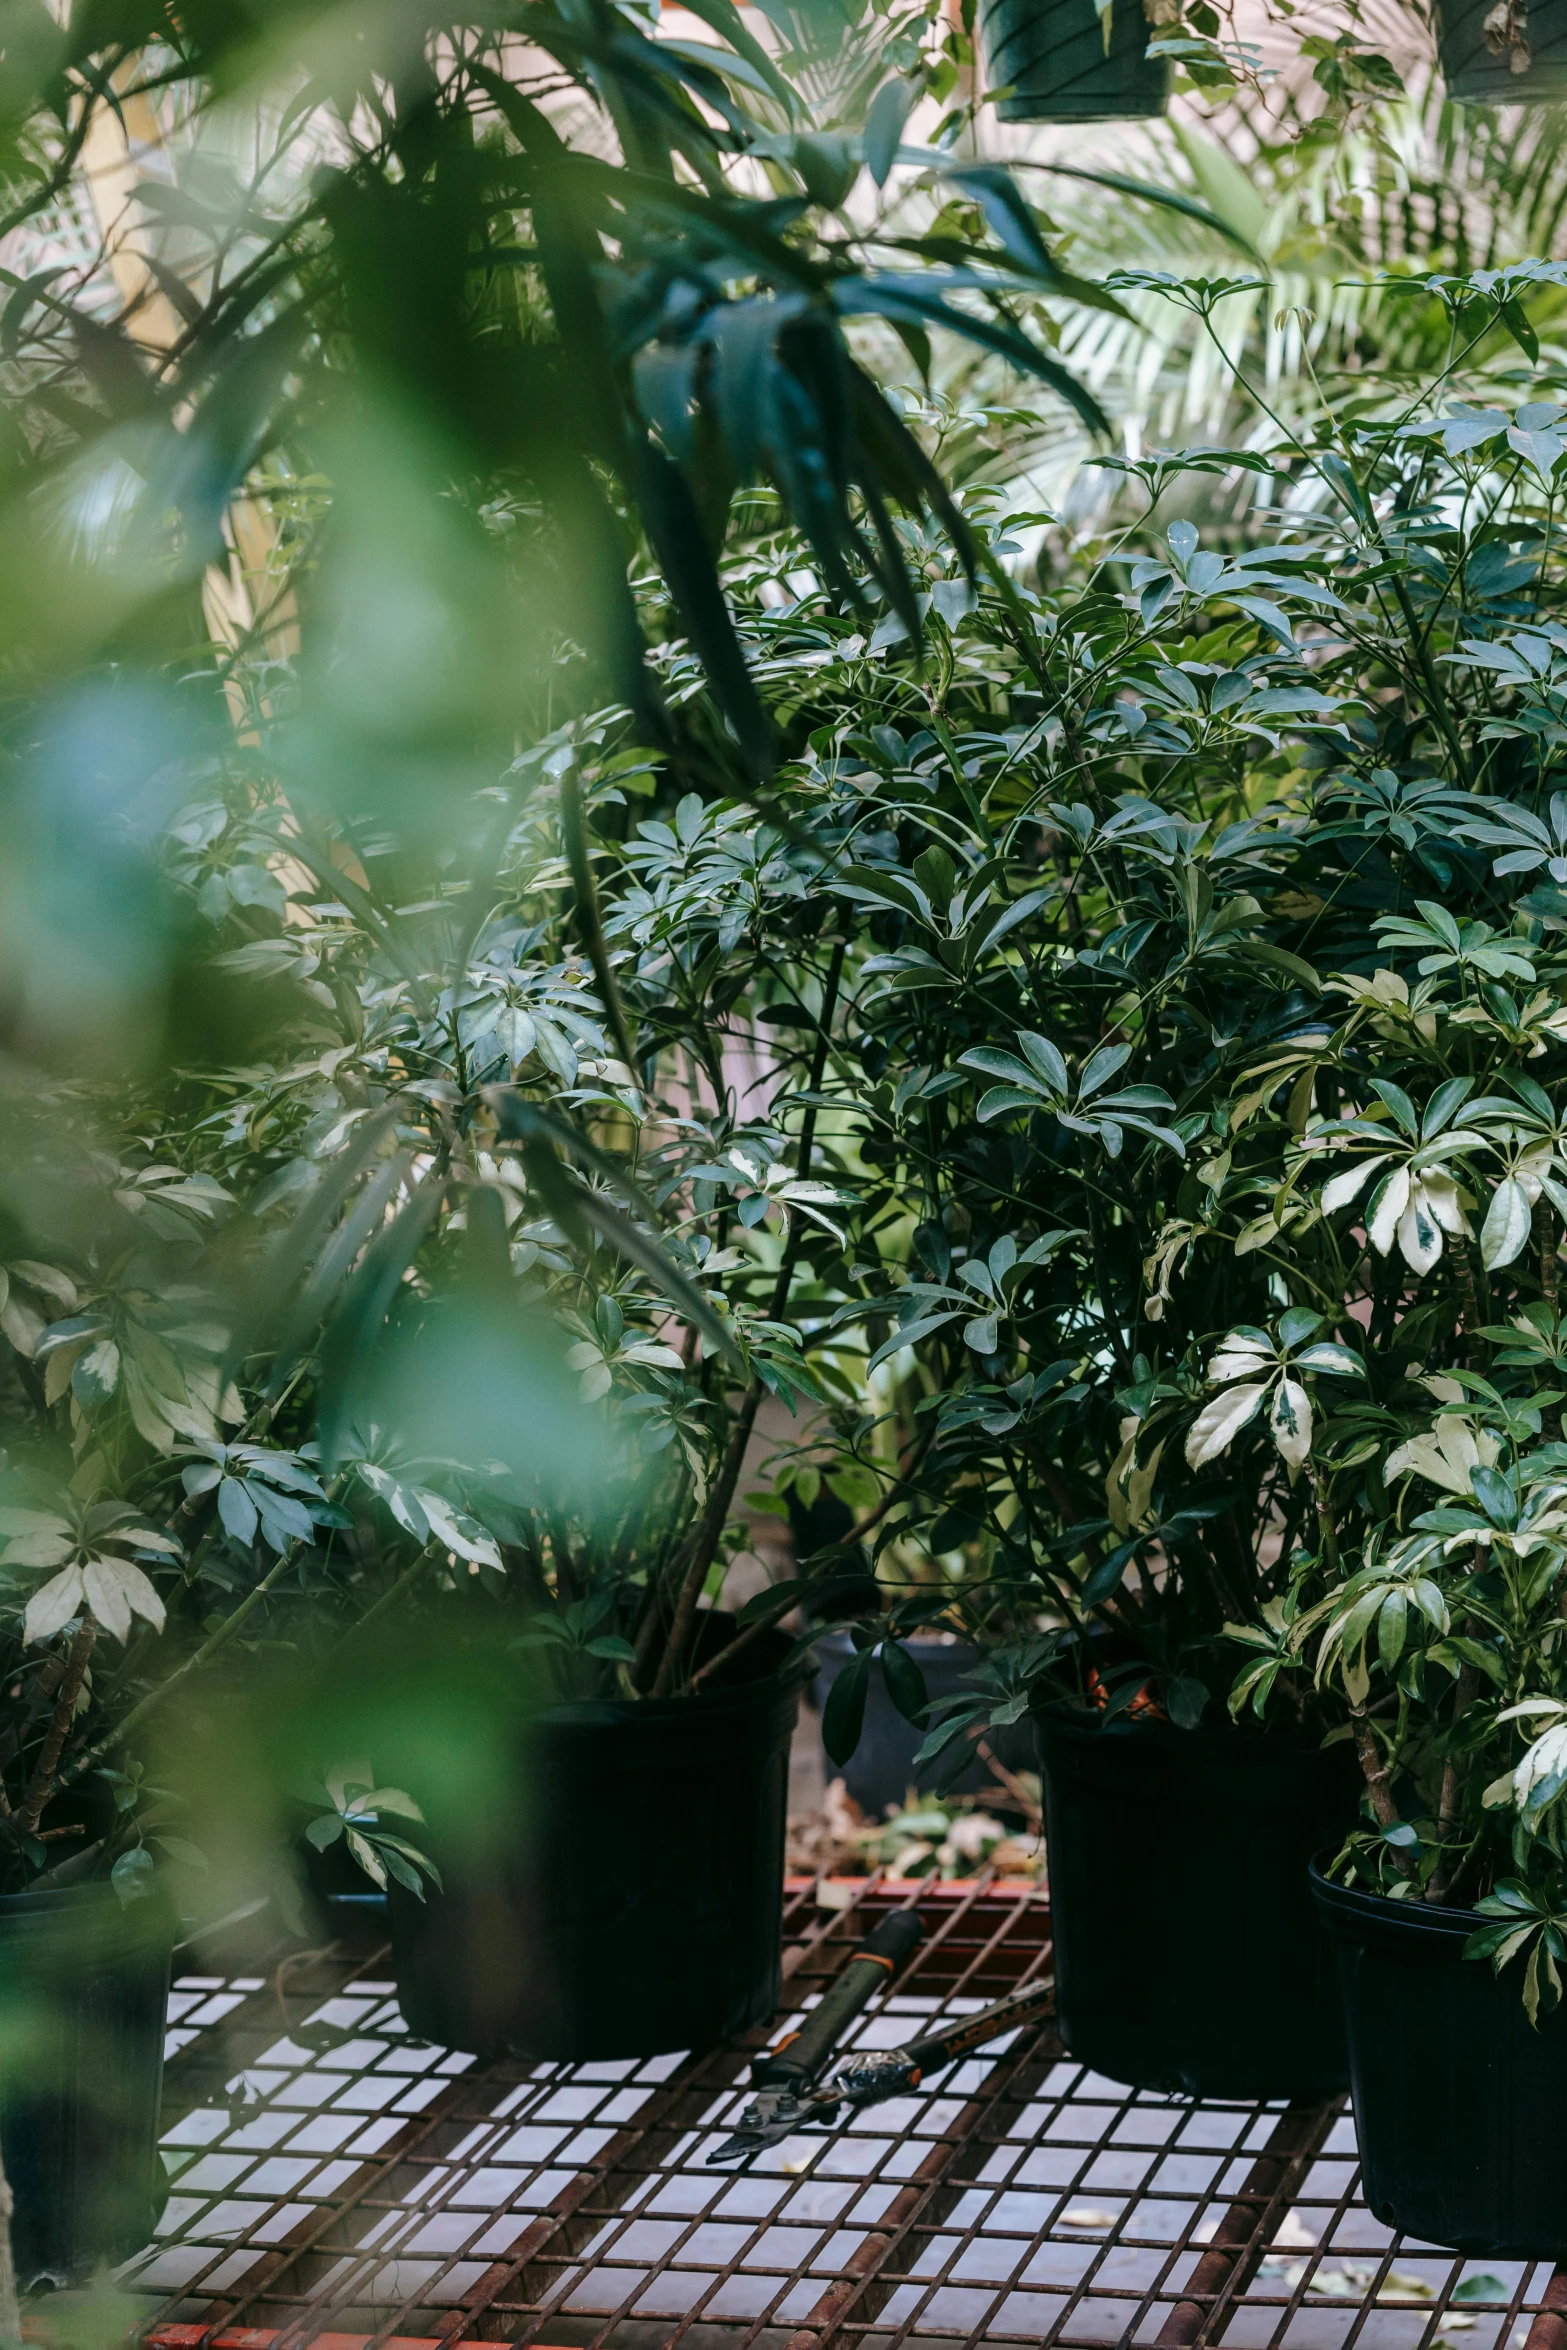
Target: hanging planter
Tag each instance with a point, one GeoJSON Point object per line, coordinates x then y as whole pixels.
{"type": "Point", "coordinates": [636, 1903]}
{"type": "Point", "coordinates": [1065, 62]}
{"type": "Point", "coordinates": [1458, 2099]}
{"type": "Point", "coordinates": [1179, 1904]}
{"type": "Point", "coordinates": [1503, 52]}
{"type": "Point", "coordinates": [84, 1985]}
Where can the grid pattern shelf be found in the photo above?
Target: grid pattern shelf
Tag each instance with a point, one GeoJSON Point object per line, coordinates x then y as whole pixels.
{"type": "Point", "coordinates": [338, 2185]}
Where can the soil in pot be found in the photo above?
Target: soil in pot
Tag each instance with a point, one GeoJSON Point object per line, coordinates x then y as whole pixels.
{"type": "Point", "coordinates": [1458, 2099]}
{"type": "Point", "coordinates": [634, 1904]}
{"type": "Point", "coordinates": [881, 1769]}
{"type": "Point", "coordinates": [1505, 55]}
{"type": "Point", "coordinates": [84, 1985]}
{"type": "Point", "coordinates": [1060, 67]}
{"type": "Point", "coordinates": [1188, 1956]}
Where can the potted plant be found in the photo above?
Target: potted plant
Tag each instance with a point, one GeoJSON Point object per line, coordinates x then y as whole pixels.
{"type": "Point", "coordinates": [1072, 61]}
{"type": "Point", "coordinates": [1030, 1439]}
{"type": "Point", "coordinates": [1446, 1907]}
{"type": "Point", "coordinates": [587, 1284]}
{"type": "Point", "coordinates": [1125, 980]}
{"type": "Point", "coordinates": [95, 1362]}
{"type": "Point", "coordinates": [1504, 53]}
{"type": "Point", "coordinates": [394, 1144]}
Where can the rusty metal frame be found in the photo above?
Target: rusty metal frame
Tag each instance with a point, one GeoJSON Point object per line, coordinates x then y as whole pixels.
{"type": "Point", "coordinates": [957, 2218]}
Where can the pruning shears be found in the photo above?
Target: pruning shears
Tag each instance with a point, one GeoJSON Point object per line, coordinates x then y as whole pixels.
{"type": "Point", "coordinates": [776, 2115]}
{"type": "Point", "coordinates": [785, 2075]}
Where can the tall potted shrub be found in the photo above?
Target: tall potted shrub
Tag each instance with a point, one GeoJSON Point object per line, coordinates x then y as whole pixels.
{"type": "Point", "coordinates": [1126, 921]}
{"type": "Point", "coordinates": [535, 1394]}
{"type": "Point", "coordinates": [411, 544]}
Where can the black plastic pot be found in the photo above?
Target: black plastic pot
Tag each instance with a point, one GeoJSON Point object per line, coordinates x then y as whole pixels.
{"type": "Point", "coordinates": [1054, 55]}
{"type": "Point", "coordinates": [881, 1769]}
{"type": "Point", "coordinates": [1522, 61]}
{"type": "Point", "coordinates": [1459, 2102]}
{"type": "Point", "coordinates": [635, 1904]}
{"type": "Point", "coordinates": [1188, 1955]}
{"type": "Point", "coordinates": [84, 1986]}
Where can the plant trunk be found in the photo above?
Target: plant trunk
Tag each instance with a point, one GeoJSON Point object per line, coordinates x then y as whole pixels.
{"type": "Point", "coordinates": [1449, 1804]}
{"type": "Point", "coordinates": [1550, 1287]}
{"type": "Point", "coordinates": [10, 2312]}
{"type": "Point", "coordinates": [710, 1529]}
{"type": "Point", "coordinates": [41, 1785]}
{"type": "Point", "coordinates": [1375, 1772]}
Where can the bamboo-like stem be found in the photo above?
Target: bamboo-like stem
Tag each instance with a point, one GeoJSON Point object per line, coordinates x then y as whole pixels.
{"type": "Point", "coordinates": [41, 1785]}
{"type": "Point", "coordinates": [1550, 1289]}
{"type": "Point", "coordinates": [1327, 1526]}
{"type": "Point", "coordinates": [579, 860]}
{"type": "Point", "coordinates": [10, 2308]}
{"type": "Point", "coordinates": [1448, 1803]}
{"type": "Point", "coordinates": [710, 1530]}
{"type": "Point", "coordinates": [1469, 1303]}
{"type": "Point", "coordinates": [1376, 1776]}
{"type": "Point", "coordinates": [1550, 1263]}
{"type": "Point", "coordinates": [390, 1597]}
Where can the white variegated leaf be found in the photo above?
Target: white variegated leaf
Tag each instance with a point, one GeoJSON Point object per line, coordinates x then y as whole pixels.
{"type": "Point", "coordinates": [32, 1522]}
{"type": "Point", "coordinates": [1387, 1210]}
{"type": "Point", "coordinates": [1221, 1421]}
{"type": "Point", "coordinates": [53, 1606]}
{"type": "Point", "coordinates": [460, 1534]}
{"type": "Point", "coordinates": [1439, 1193]}
{"type": "Point", "coordinates": [1419, 1234]}
{"type": "Point", "coordinates": [1289, 1421]}
{"type": "Point", "coordinates": [1348, 1186]}
{"type": "Point", "coordinates": [116, 1590]}
{"type": "Point", "coordinates": [1236, 1359]}
{"type": "Point", "coordinates": [39, 1550]}
{"type": "Point", "coordinates": [1506, 1226]}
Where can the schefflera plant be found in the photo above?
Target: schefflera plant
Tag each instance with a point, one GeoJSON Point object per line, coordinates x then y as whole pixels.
{"type": "Point", "coordinates": [1446, 1643]}
{"type": "Point", "coordinates": [1419, 1180]}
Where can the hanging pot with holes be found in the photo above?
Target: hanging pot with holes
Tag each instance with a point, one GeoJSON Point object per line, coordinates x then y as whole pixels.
{"type": "Point", "coordinates": [1188, 1956]}
{"type": "Point", "coordinates": [1458, 2098]}
{"type": "Point", "coordinates": [1503, 52]}
{"type": "Point", "coordinates": [84, 1985]}
{"type": "Point", "coordinates": [1062, 61]}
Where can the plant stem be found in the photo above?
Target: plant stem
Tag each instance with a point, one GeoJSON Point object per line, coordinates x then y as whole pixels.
{"type": "Point", "coordinates": [710, 1530]}
{"type": "Point", "coordinates": [389, 1599]}
{"type": "Point", "coordinates": [10, 2311]}
{"type": "Point", "coordinates": [1326, 1526]}
{"type": "Point", "coordinates": [1464, 1691]}
{"type": "Point", "coordinates": [579, 860]}
{"type": "Point", "coordinates": [738, 1646]}
{"type": "Point", "coordinates": [41, 1785]}
{"type": "Point", "coordinates": [1469, 1304]}
{"type": "Point", "coordinates": [1376, 1775]}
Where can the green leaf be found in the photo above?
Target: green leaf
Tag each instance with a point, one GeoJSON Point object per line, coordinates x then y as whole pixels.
{"type": "Point", "coordinates": [1513, 318]}
{"type": "Point", "coordinates": [1185, 1700]}
{"type": "Point", "coordinates": [843, 1716]}
{"type": "Point", "coordinates": [889, 111]}
{"type": "Point", "coordinates": [920, 301]}
{"type": "Point", "coordinates": [1484, 2287]}
{"type": "Point", "coordinates": [905, 1682]}
{"type": "Point", "coordinates": [356, 1326]}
